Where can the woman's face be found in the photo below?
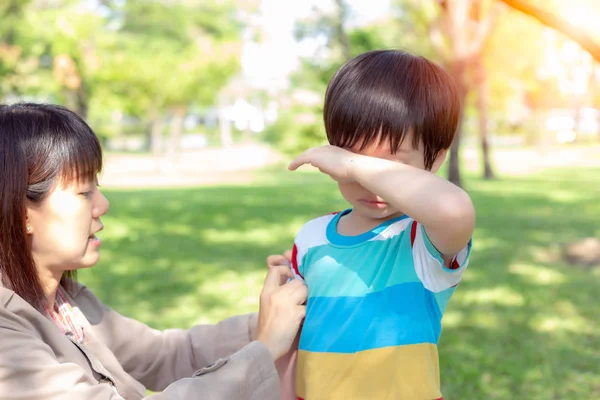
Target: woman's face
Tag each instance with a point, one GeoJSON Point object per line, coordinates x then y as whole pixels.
{"type": "Point", "coordinates": [63, 227]}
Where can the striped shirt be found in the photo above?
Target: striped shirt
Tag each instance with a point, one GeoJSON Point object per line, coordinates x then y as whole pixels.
{"type": "Point", "coordinates": [374, 310]}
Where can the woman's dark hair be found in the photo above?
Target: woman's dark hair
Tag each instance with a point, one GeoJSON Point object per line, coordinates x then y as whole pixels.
{"type": "Point", "coordinates": [40, 145]}
{"type": "Point", "coordinates": [383, 94]}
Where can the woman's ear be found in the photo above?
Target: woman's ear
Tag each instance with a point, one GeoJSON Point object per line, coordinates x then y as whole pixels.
{"type": "Point", "coordinates": [30, 211]}
{"type": "Point", "coordinates": [28, 227]}
{"type": "Point", "coordinates": [439, 160]}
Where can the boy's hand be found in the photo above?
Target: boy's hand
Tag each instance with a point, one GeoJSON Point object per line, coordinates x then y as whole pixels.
{"type": "Point", "coordinates": [331, 160]}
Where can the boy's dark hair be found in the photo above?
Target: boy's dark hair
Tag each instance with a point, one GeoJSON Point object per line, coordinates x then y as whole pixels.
{"type": "Point", "coordinates": [381, 95]}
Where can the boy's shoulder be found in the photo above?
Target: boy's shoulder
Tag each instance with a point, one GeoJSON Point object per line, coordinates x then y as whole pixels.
{"type": "Point", "coordinates": [317, 227]}
{"type": "Point", "coordinates": [313, 233]}
{"type": "Point", "coordinates": [318, 224]}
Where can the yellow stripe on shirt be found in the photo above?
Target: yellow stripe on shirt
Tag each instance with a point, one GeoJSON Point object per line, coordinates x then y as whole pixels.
{"type": "Point", "coordinates": [408, 372]}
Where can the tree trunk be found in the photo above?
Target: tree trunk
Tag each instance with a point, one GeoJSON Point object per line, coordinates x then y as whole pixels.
{"type": "Point", "coordinates": [457, 69]}
{"type": "Point", "coordinates": [454, 175]}
{"type": "Point", "coordinates": [482, 108]}
{"type": "Point", "coordinates": [466, 30]}
{"type": "Point", "coordinates": [224, 128]}
{"type": "Point", "coordinates": [156, 135]}
{"type": "Point", "coordinates": [341, 34]}
{"type": "Point", "coordinates": [157, 125]}
{"type": "Point", "coordinates": [77, 101]}
{"type": "Point", "coordinates": [83, 103]}
{"type": "Point", "coordinates": [71, 101]}
{"type": "Point", "coordinates": [592, 92]}
{"type": "Point", "coordinates": [176, 130]}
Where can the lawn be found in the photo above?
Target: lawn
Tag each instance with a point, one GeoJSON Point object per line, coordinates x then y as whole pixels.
{"type": "Point", "coordinates": [522, 325]}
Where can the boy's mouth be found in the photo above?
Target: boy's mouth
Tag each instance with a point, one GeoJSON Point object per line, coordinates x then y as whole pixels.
{"type": "Point", "coordinates": [373, 203]}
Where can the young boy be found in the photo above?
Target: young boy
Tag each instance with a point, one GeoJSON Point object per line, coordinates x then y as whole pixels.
{"type": "Point", "coordinates": [380, 274]}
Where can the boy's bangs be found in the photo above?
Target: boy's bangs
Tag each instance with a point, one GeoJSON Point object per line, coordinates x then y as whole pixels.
{"type": "Point", "coordinates": [393, 135]}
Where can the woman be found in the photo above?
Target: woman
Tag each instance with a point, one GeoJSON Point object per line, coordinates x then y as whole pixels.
{"type": "Point", "coordinates": [57, 340]}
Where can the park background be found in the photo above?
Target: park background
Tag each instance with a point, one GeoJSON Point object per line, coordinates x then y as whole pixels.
{"type": "Point", "coordinates": [200, 104]}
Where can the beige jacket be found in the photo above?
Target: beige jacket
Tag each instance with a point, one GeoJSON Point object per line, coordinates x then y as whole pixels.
{"type": "Point", "coordinates": [121, 358]}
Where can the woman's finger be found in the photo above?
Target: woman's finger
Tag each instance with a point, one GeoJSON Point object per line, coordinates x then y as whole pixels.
{"type": "Point", "coordinates": [276, 275]}
{"type": "Point", "coordinates": [296, 291]}
{"type": "Point", "coordinates": [300, 295]}
{"type": "Point", "coordinates": [276, 260]}
{"type": "Point", "coordinates": [301, 311]}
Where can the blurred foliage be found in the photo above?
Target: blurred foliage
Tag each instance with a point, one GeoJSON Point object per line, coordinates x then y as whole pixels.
{"type": "Point", "coordinates": [297, 129]}
{"type": "Point", "coordinates": [115, 61]}
{"type": "Point", "coordinates": [135, 58]}
{"type": "Point", "coordinates": [515, 58]}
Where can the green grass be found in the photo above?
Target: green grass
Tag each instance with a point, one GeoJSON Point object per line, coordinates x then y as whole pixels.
{"type": "Point", "coordinates": [522, 325]}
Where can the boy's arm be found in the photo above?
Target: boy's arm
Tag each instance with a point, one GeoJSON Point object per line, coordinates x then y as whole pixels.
{"type": "Point", "coordinates": [444, 210]}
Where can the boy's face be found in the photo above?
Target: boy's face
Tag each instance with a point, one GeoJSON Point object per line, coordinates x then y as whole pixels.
{"type": "Point", "coordinates": [370, 205]}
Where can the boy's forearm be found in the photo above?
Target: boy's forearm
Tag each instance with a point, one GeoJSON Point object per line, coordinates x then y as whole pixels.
{"type": "Point", "coordinates": [441, 207]}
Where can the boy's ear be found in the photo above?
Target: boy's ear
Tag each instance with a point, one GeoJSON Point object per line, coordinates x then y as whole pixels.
{"type": "Point", "coordinates": [439, 160]}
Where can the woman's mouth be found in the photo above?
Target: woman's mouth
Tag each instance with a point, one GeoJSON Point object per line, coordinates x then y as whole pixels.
{"type": "Point", "coordinates": [95, 240]}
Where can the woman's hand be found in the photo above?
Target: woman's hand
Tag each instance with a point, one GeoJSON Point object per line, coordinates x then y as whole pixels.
{"type": "Point", "coordinates": [280, 259]}
{"type": "Point", "coordinates": [281, 310]}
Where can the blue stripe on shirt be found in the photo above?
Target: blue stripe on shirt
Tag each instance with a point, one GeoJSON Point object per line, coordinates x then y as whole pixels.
{"type": "Point", "coordinates": [399, 315]}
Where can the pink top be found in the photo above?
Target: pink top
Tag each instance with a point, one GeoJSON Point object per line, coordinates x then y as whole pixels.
{"type": "Point", "coordinates": [65, 317]}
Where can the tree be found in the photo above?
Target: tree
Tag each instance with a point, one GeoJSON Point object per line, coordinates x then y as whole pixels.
{"type": "Point", "coordinates": [300, 123]}
{"type": "Point", "coordinates": [457, 31]}
{"type": "Point", "coordinates": [47, 55]}
{"type": "Point", "coordinates": [466, 28]}
{"type": "Point", "coordinates": [21, 65]}
{"type": "Point", "coordinates": [74, 46]}
{"type": "Point", "coordinates": [332, 25]}
{"type": "Point", "coordinates": [482, 87]}
{"type": "Point", "coordinates": [481, 83]}
{"type": "Point", "coordinates": [582, 35]}
{"type": "Point", "coordinates": [339, 25]}
{"type": "Point", "coordinates": [170, 56]}
{"type": "Point", "coordinates": [549, 16]}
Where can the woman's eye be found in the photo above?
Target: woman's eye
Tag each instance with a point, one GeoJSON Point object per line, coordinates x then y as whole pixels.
{"type": "Point", "coordinates": [86, 194]}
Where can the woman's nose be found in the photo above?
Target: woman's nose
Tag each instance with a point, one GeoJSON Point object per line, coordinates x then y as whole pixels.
{"type": "Point", "coordinates": [101, 206]}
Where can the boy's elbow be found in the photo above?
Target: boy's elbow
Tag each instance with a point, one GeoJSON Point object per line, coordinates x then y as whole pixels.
{"type": "Point", "coordinates": [452, 227]}
{"type": "Point", "coordinates": [459, 214]}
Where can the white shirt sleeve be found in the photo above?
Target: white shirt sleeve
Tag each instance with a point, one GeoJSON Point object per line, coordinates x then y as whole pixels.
{"type": "Point", "coordinates": [429, 264]}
